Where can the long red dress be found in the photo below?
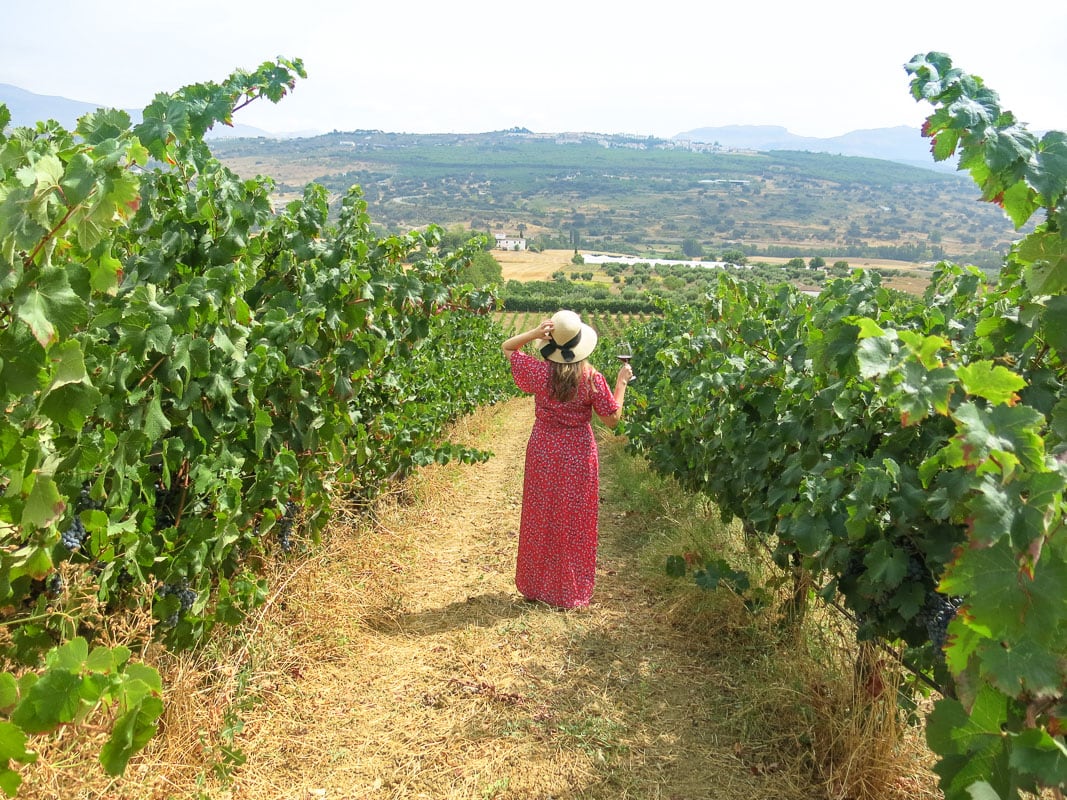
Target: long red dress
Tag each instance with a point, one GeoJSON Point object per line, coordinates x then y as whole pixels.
{"type": "Point", "coordinates": [561, 488]}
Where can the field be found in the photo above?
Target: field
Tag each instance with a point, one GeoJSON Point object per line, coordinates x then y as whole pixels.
{"type": "Point", "coordinates": [608, 195]}
{"type": "Point", "coordinates": [527, 265]}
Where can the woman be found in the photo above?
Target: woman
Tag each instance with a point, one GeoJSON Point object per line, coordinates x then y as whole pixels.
{"type": "Point", "coordinates": [558, 533]}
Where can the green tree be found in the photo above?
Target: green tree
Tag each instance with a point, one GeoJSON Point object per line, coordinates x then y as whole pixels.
{"type": "Point", "coordinates": [735, 257]}
{"type": "Point", "coordinates": [482, 270]}
{"type": "Point", "coordinates": [692, 248]}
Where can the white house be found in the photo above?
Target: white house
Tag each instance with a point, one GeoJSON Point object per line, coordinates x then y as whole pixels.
{"type": "Point", "coordinates": [505, 242]}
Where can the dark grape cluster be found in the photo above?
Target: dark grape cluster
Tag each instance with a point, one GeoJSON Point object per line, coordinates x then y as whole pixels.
{"type": "Point", "coordinates": [74, 536]}
{"type": "Point", "coordinates": [285, 527]}
{"type": "Point", "coordinates": [935, 615]}
{"type": "Point", "coordinates": [186, 597]}
{"type": "Point", "coordinates": [85, 499]}
{"type": "Point", "coordinates": [166, 500]}
{"type": "Point", "coordinates": [917, 572]}
{"type": "Point", "coordinates": [53, 585]}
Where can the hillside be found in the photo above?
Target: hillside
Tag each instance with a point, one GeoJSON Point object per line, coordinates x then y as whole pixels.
{"type": "Point", "coordinates": [902, 144]}
{"type": "Point", "coordinates": [760, 189]}
{"type": "Point", "coordinates": [641, 196]}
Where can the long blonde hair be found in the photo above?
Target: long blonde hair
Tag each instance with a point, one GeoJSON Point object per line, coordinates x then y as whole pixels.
{"type": "Point", "coordinates": [564, 379]}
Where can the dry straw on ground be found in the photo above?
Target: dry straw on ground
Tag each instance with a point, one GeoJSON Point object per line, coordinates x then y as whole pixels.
{"type": "Point", "coordinates": [397, 661]}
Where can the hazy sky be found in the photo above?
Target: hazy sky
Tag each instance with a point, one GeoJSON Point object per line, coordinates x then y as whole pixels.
{"type": "Point", "coordinates": [819, 68]}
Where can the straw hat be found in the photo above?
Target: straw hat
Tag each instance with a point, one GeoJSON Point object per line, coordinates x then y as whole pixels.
{"type": "Point", "coordinates": [572, 340]}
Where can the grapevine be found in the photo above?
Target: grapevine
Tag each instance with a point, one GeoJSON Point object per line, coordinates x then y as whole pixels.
{"type": "Point", "coordinates": [907, 450]}
{"type": "Point", "coordinates": [180, 361]}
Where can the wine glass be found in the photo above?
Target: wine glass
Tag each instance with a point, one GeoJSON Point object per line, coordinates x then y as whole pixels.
{"type": "Point", "coordinates": [624, 353]}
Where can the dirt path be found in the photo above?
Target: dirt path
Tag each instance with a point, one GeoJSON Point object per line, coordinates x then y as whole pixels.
{"type": "Point", "coordinates": [436, 681]}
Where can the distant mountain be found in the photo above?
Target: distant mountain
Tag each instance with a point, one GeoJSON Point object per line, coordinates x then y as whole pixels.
{"type": "Point", "coordinates": [27, 109]}
{"type": "Point", "coordinates": [901, 144]}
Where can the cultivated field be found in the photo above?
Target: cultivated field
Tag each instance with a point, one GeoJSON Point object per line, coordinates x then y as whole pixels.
{"type": "Point", "coordinates": [525, 265]}
{"type": "Point", "coordinates": [530, 266]}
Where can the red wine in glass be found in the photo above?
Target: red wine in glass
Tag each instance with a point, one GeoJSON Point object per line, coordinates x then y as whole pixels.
{"type": "Point", "coordinates": [624, 354]}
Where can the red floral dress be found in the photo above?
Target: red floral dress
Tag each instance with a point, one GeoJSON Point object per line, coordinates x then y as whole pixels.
{"type": "Point", "coordinates": [561, 487]}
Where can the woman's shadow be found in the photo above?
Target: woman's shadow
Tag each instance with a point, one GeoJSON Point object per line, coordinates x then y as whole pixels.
{"type": "Point", "coordinates": [482, 611]}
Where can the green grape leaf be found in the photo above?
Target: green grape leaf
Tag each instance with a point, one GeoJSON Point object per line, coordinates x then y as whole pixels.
{"type": "Point", "coordinates": [1019, 202]}
{"type": "Point", "coordinates": [875, 355]}
{"type": "Point", "coordinates": [155, 421]}
{"type": "Point", "coordinates": [1036, 753]}
{"type": "Point", "coordinates": [989, 578]}
{"type": "Point", "coordinates": [44, 505]}
{"type": "Point", "coordinates": [995, 383]}
{"type": "Point", "coordinates": [107, 659]}
{"type": "Point", "coordinates": [923, 390]}
{"type": "Point", "coordinates": [130, 733]}
{"type": "Point", "coordinates": [103, 124]}
{"type": "Point", "coordinates": [926, 349]}
{"type": "Point", "coordinates": [261, 428]}
{"type": "Point", "coordinates": [51, 701]}
{"type": "Point", "coordinates": [886, 564]}
{"type": "Point", "coordinates": [868, 328]}
{"type": "Point", "coordinates": [944, 144]}
{"type": "Point", "coordinates": [13, 745]}
{"type": "Point", "coordinates": [1049, 176]}
{"type": "Point", "coordinates": [1044, 254]}
{"type": "Point", "coordinates": [983, 790]}
{"type": "Point", "coordinates": [71, 405]}
{"type": "Point", "coordinates": [12, 748]}
{"type": "Point", "coordinates": [31, 560]}
{"type": "Point", "coordinates": [69, 365]}
{"type": "Point", "coordinates": [992, 512]}
{"type": "Point", "coordinates": [105, 272]}
{"type": "Point", "coordinates": [9, 692]}
{"type": "Point", "coordinates": [974, 752]}
{"type": "Point", "coordinates": [70, 656]}
{"type": "Point", "coordinates": [79, 179]}
{"type": "Point", "coordinates": [961, 643]}
{"type": "Point", "coordinates": [50, 309]}
{"type": "Point", "coordinates": [1000, 430]}
{"type": "Point", "coordinates": [1026, 666]}
{"type": "Point", "coordinates": [950, 730]}
{"type": "Point", "coordinates": [139, 672]}
{"type": "Point", "coordinates": [1054, 324]}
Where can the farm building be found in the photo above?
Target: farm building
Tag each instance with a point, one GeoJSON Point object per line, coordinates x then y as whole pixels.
{"type": "Point", "coordinates": [504, 242]}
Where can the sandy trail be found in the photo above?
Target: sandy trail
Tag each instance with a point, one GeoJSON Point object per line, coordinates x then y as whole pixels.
{"type": "Point", "coordinates": [428, 677]}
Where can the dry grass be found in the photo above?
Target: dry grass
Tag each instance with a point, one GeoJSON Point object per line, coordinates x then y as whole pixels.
{"type": "Point", "coordinates": [526, 265]}
{"type": "Point", "coordinates": [793, 702]}
{"type": "Point", "coordinates": [398, 662]}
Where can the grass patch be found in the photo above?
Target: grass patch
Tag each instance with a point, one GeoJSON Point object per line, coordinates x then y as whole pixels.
{"type": "Point", "coordinates": [804, 701]}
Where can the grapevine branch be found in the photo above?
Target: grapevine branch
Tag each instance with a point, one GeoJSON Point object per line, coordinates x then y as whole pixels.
{"type": "Point", "coordinates": [148, 374]}
{"type": "Point", "coordinates": [32, 257]}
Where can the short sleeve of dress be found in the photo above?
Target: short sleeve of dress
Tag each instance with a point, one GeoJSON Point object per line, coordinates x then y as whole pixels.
{"type": "Point", "coordinates": [603, 400]}
{"type": "Point", "coordinates": [528, 372]}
